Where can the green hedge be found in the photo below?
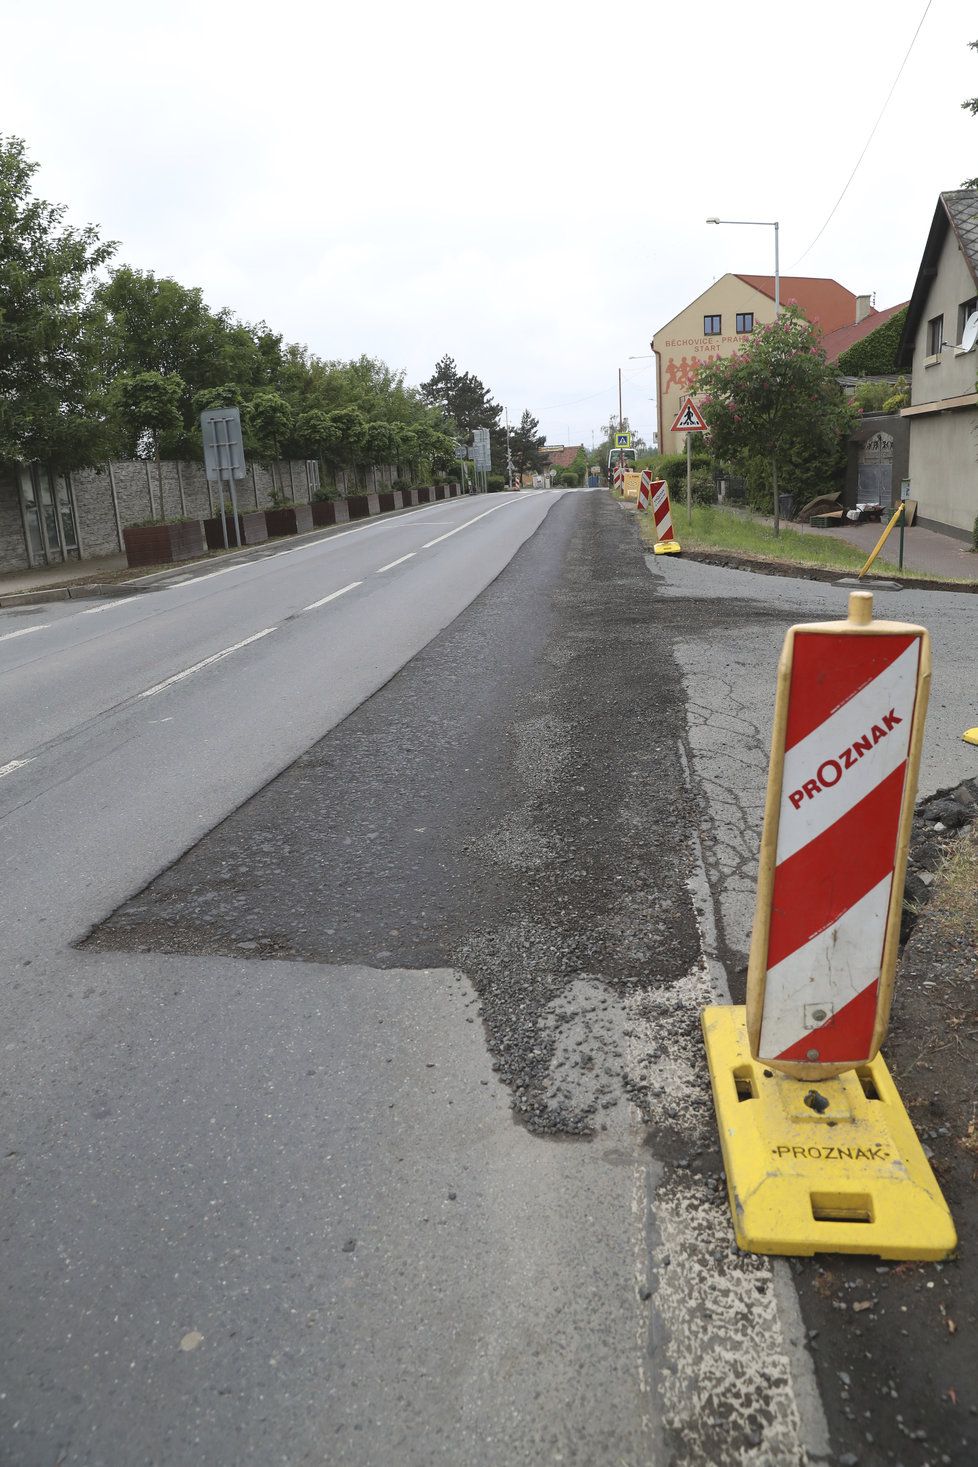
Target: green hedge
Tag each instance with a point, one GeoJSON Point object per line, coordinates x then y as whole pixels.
{"type": "Point", "coordinates": [672, 468]}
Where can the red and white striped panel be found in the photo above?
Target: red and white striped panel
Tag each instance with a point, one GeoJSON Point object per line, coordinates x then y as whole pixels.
{"type": "Point", "coordinates": [618, 478]}
{"type": "Point", "coordinates": [850, 713]}
{"type": "Point", "coordinates": [661, 512]}
{"type": "Point", "coordinates": [644, 488]}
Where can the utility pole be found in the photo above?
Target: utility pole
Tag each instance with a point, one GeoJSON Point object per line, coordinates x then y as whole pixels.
{"type": "Point", "coordinates": [621, 416]}
{"type": "Point", "coordinates": [509, 456]}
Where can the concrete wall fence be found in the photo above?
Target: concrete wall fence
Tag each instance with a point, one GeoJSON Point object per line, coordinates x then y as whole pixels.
{"type": "Point", "coordinates": [106, 499]}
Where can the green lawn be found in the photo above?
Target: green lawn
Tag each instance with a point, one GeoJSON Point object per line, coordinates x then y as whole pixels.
{"type": "Point", "coordinates": [714, 528]}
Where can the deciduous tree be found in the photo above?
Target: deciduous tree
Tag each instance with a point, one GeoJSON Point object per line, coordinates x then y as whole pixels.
{"type": "Point", "coordinates": [147, 406]}
{"type": "Point", "coordinates": [971, 105]}
{"type": "Point", "coordinates": [51, 386]}
{"type": "Point", "coordinates": [776, 399]}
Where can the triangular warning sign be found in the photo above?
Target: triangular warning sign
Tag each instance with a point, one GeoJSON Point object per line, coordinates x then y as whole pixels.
{"type": "Point", "coordinates": [689, 419]}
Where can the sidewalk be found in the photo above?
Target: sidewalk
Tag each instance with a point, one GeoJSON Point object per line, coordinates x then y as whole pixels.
{"type": "Point", "coordinates": [923, 550]}
{"type": "Point", "coordinates": [43, 577]}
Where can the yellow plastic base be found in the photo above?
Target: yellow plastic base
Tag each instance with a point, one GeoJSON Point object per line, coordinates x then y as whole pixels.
{"type": "Point", "coordinates": [849, 1178]}
{"type": "Point", "coordinates": [970, 735]}
{"type": "Point", "coordinates": [666, 547]}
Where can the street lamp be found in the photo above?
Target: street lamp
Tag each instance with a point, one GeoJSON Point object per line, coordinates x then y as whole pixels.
{"type": "Point", "coordinates": [767, 224]}
{"type": "Point", "coordinates": [764, 224]}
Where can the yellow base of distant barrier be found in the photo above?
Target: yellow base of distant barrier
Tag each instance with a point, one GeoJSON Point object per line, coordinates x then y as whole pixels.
{"type": "Point", "coordinates": [970, 735]}
{"type": "Point", "coordinates": [667, 547]}
{"type": "Point", "coordinates": [849, 1178]}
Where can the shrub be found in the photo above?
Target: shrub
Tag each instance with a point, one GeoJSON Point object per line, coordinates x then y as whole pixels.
{"type": "Point", "coordinates": [495, 483]}
{"type": "Point", "coordinates": [900, 398]}
{"type": "Point", "coordinates": [672, 468]}
{"type": "Point", "coordinates": [974, 533]}
{"type": "Point", "coordinates": [871, 396]}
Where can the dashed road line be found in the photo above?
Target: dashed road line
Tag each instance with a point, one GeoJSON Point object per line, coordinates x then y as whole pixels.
{"type": "Point", "coordinates": [459, 528]}
{"type": "Point", "coordinates": [6, 769]}
{"type": "Point", "coordinates": [23, 632]}
{"type": "Point", "coordinates": [224, 571]}
{"type": "Point", "coordinates": [109, 605]}
{"type": "Point", "coordinates": [314, 605]}
{"type": "Point", "coordinates": [215, 657]}
{"type": "Point", "coordinates": [410, 556]}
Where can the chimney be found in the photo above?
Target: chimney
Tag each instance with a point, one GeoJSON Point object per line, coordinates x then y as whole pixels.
{"type": "Point", "coordinates": [864, 304]}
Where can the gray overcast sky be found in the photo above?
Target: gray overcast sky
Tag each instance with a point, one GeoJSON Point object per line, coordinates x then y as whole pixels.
{"type": "Point", "coordinates": [522, 185]}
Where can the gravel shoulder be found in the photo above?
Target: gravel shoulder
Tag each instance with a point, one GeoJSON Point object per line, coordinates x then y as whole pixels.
{"type": "Point", "coordinates": [894, 1346]}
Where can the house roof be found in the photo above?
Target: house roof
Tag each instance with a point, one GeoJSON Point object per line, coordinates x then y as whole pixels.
{"type": "Point", "coordinates": [563, 458]}
{"type": "Point", "coordinates": [956, 209]}
{"type": "Point", "coordinates": [824, 302]}
{"type": "Point", "coordinates": [836, 342]}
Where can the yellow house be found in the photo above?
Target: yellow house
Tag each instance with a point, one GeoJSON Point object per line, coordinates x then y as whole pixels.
{"type": "Point", "coordinates": [718, 322]}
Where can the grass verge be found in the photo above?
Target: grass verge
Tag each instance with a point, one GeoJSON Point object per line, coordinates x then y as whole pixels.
{"type": "Point", "coordinates": [955, 910]}
{"type": "Point", "coordinates": [715, 528]}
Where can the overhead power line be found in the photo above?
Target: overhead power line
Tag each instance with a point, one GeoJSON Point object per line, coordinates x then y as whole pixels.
{"type": "Point", "coordinates": [868, 140]}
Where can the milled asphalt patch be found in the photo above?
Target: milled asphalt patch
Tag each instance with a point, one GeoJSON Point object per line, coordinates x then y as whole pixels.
{"type": "Point", "coordinates": [514, 804]}
{"type": "Point", "coordinates": [511, 803]}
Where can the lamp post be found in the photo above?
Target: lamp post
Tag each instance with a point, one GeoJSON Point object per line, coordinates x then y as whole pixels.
{"type": "Point", "coordinates": [763, 224]}
{"type": "Point", "coordinates": [767, 224]}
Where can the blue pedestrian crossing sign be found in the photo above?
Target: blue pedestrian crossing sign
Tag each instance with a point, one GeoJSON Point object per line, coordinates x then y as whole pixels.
{"type": "Point", "coordinates": [623, 440]}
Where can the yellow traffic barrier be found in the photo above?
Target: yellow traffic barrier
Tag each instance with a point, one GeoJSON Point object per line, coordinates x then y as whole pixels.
{"type": "Point", "coordinates": [819, 1152]}
{"type": "Point", "coordinates": [631, 486]}
{"type": "Point", "coordinates": [882, 539]}
{"type": "Point", "coordinates": [667, 547]}
{"type": "Point", "coordinates": [829, 1167]}
{"type": "Point", "coordinates": [970, 735]}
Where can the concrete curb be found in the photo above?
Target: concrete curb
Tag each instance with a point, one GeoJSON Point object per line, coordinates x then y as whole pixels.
{"type": "Point", "coordinates": [817, 573]}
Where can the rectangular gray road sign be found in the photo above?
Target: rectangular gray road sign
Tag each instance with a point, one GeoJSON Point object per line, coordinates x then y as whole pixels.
{"type": "Point", "coordinates": [223, 448]}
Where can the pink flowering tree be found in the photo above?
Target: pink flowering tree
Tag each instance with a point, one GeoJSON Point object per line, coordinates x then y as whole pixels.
{"type": "Point", "coordinates": [777, 401]}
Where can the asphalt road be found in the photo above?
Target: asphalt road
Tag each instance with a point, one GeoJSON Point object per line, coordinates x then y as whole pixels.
{"type": "Point", "coordinates": [355, 1104]}
{"type": "Point", "coordinates": [265, 1197]}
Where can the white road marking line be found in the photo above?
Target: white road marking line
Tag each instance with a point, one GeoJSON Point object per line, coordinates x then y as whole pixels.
{"type": "Point", "coordinates": [216, 657]}
{"type": "Point", "coordinates": [314, 605]}
{"type": "Point", "coordinates": [196, 580]}
{"type": "Point", "coordinates": [24, 632]}
{"type": "Point", "coordinates": [410, 556]}
{"type": "Point", "coordinates": [109, 605]}
{"type": "Point", "coordinates": [460, 528]}
{"type": "Point", "coordinates": [358, 530]}
{"type": "Point", "coordinates": [14, 764]}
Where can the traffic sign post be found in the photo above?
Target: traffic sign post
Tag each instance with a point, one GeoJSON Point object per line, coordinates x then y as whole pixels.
{"type": "Point", "coordinates": [689, 420]}
{"type": "Point", "coordinates": [482, 454]}
{"type": "Point", "coordinates": [826, 1160]}
{"type": "Point", "coordinates": [224, 458]}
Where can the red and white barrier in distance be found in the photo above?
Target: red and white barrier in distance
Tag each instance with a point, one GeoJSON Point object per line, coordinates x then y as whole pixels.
{"type": "Point", "coordinates": [851, 707]}
{"type": "Point", "coordinates": [644, 488]}
{"type": "Point", "coordinates": [661, 512]}
{"type": "Point", "coordinates": [618, 478]}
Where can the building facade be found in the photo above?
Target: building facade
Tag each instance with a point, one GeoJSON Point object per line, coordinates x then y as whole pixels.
{"type": "Point", "coordinates": [943, 411]}
{"type": "Point", "coordinates": [718, 322]}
